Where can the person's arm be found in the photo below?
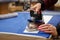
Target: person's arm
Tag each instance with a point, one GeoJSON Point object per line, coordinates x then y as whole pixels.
{"type": "Point", "coordinates": [47, 3]}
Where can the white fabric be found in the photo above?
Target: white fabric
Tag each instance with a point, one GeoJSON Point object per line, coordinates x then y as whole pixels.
{"type": "Point", "coordinates": [3, 16]}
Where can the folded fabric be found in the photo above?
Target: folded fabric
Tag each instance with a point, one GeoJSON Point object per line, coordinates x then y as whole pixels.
{"type": "Point", "coordinates": [9, 15]}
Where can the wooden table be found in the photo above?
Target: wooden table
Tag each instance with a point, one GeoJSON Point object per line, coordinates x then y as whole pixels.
{"type": "Point", "coordinates": [4, 7]}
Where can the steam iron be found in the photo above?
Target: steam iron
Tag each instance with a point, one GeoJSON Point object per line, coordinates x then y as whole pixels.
{"type": "Point", "coordinates": [35, 21]}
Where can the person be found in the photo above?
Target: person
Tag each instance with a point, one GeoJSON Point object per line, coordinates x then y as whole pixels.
{"type": "Point", "coordinates": [42, 5]}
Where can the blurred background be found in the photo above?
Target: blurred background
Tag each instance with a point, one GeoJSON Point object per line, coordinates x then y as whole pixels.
{"type": "Point", "coordinates": [8, 6]}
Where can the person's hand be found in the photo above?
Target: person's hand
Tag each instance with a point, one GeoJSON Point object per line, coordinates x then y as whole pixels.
{"type": "Point", "coordinates": [35, 8]}
{"type": "Point", "coordinates": [48, 28]}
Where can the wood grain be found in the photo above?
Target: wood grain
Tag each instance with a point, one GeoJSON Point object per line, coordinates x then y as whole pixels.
{"type": "Point", "coordinates": [15, 37]}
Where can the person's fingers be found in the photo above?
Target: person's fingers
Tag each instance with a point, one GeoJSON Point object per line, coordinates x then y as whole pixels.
{"type": "Point", "coordinates": [48, 31]}
{"type": "Point", "coordinates": [37, 9]}
{"type": "Point", "coordinates": [43, 25]}
{"type": "Point", "coordinates": [45, 30]}
{"type": "Point", "coordinates": [32, 8]}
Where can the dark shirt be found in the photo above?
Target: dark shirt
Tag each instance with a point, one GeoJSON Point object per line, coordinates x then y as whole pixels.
{"type": "Point", "coordinates": [58, 28]}
{"type": "Point", "coordinates": [47, 3]}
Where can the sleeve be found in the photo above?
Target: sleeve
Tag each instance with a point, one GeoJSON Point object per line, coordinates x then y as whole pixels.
{"type": "Point", "coordinates": [58, 28]}
{"type": "Point", "coordinates": [47, 3]}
